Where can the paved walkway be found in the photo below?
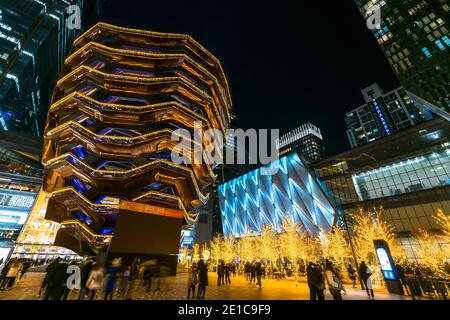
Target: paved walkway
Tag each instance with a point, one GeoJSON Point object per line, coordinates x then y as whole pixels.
{"type": "Point", "coordinates": [174, 288]}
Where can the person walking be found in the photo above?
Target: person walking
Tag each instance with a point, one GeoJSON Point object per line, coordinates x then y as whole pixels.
{"type": "Point", "coordinates": [352, 274]}
{"type": "Point", "coordinates": [362, 272]}
{"type": "Point", "coordinates": [125, 283]}
{"type": "Point", "coordinates": [95, 281]}
{"type": "Point", "coordinates": [364, 276]}
{"type": "Point", "coordinates": [56, 281]}
{"type": "Point", "coordinates": [85, 271]}
{"type": "Point", "coordinates": [66, 289]}
{"type": "Point", "coordinates": [112, 273]}
{"type": "Point", "coordinates": [316, 282]}
{"type": "Point", "coordinates": [258, 272]}
{"type": "Point", "coordinates": [192, 280]}
{"type": "Point", "coordinates": [25, 267]}
{"type": "Point", "coordinates": [368, 281]}
{"type": "Point", "coordinates": [247, 271]}
{"type": "Point", "coordinates": [48, 271]}
{"type": "Point", "coordinates": [202, 279]}
{"type": "Point", "coordinates": [12, 273]}
{"type": "Point", "coordinates": [252, 273]}
{"type": "Point", "coordinates": [334, 281]}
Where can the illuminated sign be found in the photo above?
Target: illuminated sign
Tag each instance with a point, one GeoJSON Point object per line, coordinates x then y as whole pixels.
{"type": "Point", "coordinates": [386, 267]}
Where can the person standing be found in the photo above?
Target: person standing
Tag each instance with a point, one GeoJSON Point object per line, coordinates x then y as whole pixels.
{"type": "Point", "coordinates": [316, 282]}
{"type": "Point", "coordinates": [227, 273]}
{"type": "Point", "coordinates": [258, 272]}
{"type": "Point", "coordinates": [221, 273]}
{"type": "Point", "coordinates": [192, 280]}
{"type": "Point", "coordinates": [202, 279]}
{"type": "Point", "coordinates": [95, 281]}
{"type": "Point", "coordinates": [352, 274]}
{"type": "Point", "coordinates": [334, 281]}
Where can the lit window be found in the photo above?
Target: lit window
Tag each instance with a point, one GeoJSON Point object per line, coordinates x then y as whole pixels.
{"type": "Point", "coordinates": [446, 40]}
{"type": "Point", "coordinates": [426, 52]}
{"type": "Point", "coordinates": [440, 44]}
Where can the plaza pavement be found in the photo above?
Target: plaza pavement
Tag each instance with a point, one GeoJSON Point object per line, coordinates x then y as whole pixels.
{"type": "Point", "coordinates": [174, 288]}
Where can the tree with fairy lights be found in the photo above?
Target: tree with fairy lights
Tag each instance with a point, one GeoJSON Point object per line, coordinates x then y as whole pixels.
{"type": "Point", "coordinates": [196, 253]}
{"type": "Point", "coordinates": [432, 254]}
{"type": "Point", "coordinates": [266, 245]}
{"type": "Point", "coordinates": [216, 249]}
{"type": "Point", "coordinates": [228, 249]}
{"type": "Point", "coordinates": [335, 247]}
{"type": "Point", "coordinates": [369, 226]}
{"type": "Point", "coordinates": [290, 244]}
{"type": "Point", "coordinates": [443, 220]}
{"type": "Point", "coordinates": [246, 248]}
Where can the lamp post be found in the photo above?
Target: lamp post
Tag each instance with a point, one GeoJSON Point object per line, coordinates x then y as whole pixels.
{"type": "Point", "coordinates": [353, 249]}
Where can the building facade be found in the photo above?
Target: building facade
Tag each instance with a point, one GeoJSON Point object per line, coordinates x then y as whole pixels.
{"type": "Point", "coordinates": [415, 38]}
{"type": "Point", "coordinates": [20, 180]}
{"type": "Point", "coordinates": [382, 114]}
{"type": "Point", "coordinates": [306, 140]}
{"type": "Point", "coordinates": [35, 37]}
{"type": "Point", "coordinates": [36, 240]}
{"type": "Point", "coordinates": [108, 140]}
{"type": "Point", "coordinates": [255, 199]}
{"type": "Point", "coordinates": [406, 174]}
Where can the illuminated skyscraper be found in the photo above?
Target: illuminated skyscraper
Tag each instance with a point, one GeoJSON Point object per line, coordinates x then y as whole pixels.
{"type": "Point", "coordinates": [306, 140]}
{"type": "Point", "coordinates": [415, 38]}
{"type": "Point", "coordinates": [382, 115]}
{"type": "Point", "coordinates": [113, 185]}
{"type": "Point", "coordinates": [35, 37]}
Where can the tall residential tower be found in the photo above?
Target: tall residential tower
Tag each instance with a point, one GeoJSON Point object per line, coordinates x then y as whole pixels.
{"type": "Point", "coordinates": [415, 38]}
{"type": "Point", "coordinates": [382, 114]}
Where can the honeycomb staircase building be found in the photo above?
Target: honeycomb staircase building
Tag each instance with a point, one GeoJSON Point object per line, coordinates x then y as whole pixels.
{"type": "Point", "coordinates": [107, 150]}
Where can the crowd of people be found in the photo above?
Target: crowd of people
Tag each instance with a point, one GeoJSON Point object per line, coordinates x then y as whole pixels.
{"type": "Point", "coordinates": [116, 281]}
{"type": "Point", "coordinates": [96, 281]}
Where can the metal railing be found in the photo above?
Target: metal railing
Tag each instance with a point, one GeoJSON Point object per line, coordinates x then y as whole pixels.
{"type": "Point", "coordinates": [427, 288]}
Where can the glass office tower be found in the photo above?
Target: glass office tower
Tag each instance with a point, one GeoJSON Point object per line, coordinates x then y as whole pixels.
{"type": "Point", "coordinates": [407, 174]}
{"type": "Point", "coordinates": [35, 37]}
{"type": "Point", "coordinates": [415, 38]}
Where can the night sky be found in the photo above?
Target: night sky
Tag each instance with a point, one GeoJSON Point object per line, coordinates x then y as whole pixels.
{"type": "Point", "coordinates": [288, 62]}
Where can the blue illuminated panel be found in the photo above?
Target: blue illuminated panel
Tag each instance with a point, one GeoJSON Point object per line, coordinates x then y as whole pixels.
{"type": "Point", "coordinates": [254, 200]}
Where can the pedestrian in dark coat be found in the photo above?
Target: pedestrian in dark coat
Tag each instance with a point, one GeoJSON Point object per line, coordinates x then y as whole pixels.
{"type": "Point", "coordinates": [316, 282]}
{"type": "Point", "coordinates": [202, 279]}
{"type": "Point", "coordinates": [55, 281]}
{"type": "Point", "coordinates": [258, 273]}
{"type": "Point", "coordinates": [85, 271]}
